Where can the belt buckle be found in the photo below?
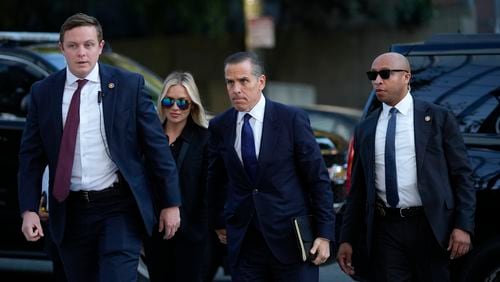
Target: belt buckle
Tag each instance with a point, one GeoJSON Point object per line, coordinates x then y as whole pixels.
{"type": "Point", "coordinates": [401, 212]}
{"type": "Point", "coordinates": [86, 196]}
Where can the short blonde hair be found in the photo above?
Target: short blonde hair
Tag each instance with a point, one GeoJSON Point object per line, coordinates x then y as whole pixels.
{"type": "Point", "coordinates": [197, 112]}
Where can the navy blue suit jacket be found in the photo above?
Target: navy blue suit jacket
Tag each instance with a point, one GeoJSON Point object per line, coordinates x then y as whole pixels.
{"type": "Point", "coordinates": [133, 131]}
{"type": "Point", "coordinates": [292, 180]}
{"type": "Point", "coordinates": [444, 176]}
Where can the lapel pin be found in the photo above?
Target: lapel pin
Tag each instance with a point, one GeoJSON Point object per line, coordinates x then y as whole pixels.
{"type": "Point", "coordinates": [111, 85]}
{"type": "Point", "coordinates": [427, 118]}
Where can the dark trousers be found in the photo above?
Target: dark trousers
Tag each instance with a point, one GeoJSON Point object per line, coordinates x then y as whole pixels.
{"type": "Point", "coordinates": [405, 249]}
{"type": "Point", "coordinates": [177, 259]}
{"type": "Point", "coordinates": [102, 239]}
{"type": "Point", "coordinates": [256, 263]}
{"type": "Point", "coordinates": [50, 247]}
{"type": "Point", "coordinates": [217, 257]}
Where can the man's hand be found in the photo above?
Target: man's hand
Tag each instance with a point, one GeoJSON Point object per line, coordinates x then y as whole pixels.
{"type": "Point", "coordinates": [31, 228]}
{"type": "Point", "coordinates": [321, 249]}
{"type": "Point", "coordinates": [221, 234]}
{"type": "Point", "coordinates": [170, 220]}
{"type": "Point", "coordinates": [459, 243]}
{"type": "Point", "coordinates": [344, 257]}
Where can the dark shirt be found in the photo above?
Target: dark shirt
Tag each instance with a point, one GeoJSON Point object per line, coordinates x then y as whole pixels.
{"type": "Point", "coordinates": [176, 147]}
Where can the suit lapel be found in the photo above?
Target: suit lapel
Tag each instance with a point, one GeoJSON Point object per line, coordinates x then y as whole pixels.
{"type": "Point", "coordinates": [269, 138]}
{"type": "Point", "coordinates": [230, 138]}
{"type": "Point", "coordinates": [369, 129]}
{"type": "Point", "coordinates": [56, 98]}
{"type": "Point", "coordinates": [230, 124]}
{"type": "Point", "coordinates": [422, 123]}
{"type": "Point", "coordinates": [187, 135]}
{"type": "Point", "coordinates": [109, 89]}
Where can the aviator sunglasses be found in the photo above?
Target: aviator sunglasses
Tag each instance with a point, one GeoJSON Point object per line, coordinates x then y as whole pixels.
{"type": "Point", "coordinates": [168, 102]}
{"type": "Point", "coordinates": [384, 74]}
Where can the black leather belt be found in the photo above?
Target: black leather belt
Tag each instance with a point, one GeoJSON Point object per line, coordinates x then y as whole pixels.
{"type": "Point", "coordinates": [93, 196]}
{"type": "Point", "coordinates": [399, 212]}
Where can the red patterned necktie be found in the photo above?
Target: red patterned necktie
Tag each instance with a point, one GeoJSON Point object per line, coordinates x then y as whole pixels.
{"type": "Point", "coordinates": [62, 179]}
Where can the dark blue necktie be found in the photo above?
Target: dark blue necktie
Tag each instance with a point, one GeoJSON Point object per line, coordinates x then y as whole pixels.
{"type": "Point", "coordinates": [391, 176]}
{"type": "Point", "coordinates": [248, 148]}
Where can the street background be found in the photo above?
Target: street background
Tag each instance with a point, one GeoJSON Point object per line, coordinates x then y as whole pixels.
{"type": "Point", "coordinates": [328, 273]}
{"type": "Point", "coordinates": [316, 51]}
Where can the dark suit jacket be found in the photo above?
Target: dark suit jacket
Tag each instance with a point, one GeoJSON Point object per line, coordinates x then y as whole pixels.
{"type": "Point", "coordinates": [292, 180]}
{"type": "Point", "coordinates": [443, 175]}
{"type": "Point", "coordinates": [192, 164]}
{"type": "Point", "coordinates": [132, 131]}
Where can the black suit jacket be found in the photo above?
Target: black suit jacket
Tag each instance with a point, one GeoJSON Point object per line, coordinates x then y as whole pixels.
{"type": "Point", "coordinates": [192, 164]}
{"type": "Point", "coordinates": [444, 177]}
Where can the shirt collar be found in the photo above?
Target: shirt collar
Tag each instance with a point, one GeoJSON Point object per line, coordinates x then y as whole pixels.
{"type": "Point", "coordinates": [404, 106]}
{"type": "Point", "coordinates": [257, 112]}
{"type": "Point", "coordinates": [93, 76]}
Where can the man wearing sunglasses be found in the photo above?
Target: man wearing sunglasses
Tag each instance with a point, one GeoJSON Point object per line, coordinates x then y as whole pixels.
{"type": "Point", "coordinates": [411, 185]}
{"type": "Point", "coordinates": [265, 168]}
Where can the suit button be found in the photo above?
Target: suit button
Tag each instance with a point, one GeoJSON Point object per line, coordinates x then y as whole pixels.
{"type": "Point", "coordinates": [255, 191]}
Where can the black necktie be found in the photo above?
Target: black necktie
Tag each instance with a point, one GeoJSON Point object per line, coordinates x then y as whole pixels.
{"type": "Point", "coordinates": [64, 168]}
{"type": "Point", "coordinates": [248, 148]}
{"type": "Point", "coordinates": [391, 177]}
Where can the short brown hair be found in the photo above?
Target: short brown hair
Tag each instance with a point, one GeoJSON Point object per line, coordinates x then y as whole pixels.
{"type": "Point", "coordinates": [77, 20]}
{"type": "Point", "coordinates": [239, 57]}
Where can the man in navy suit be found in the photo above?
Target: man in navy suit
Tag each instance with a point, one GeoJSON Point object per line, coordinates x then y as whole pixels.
{"type": "Point", "coordinates": [417, 206]}
{"type": "Point", "coordinates": [257, 189]}
{"type": "Point", "coordinates": [100, 217]}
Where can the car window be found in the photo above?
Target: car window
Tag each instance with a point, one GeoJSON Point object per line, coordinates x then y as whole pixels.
{"type": "Point", "coordinates": [55, 59]}
{"type": "Point", "coordinates": [330, 122]}
{"type": "Point", "coordinates": [16, 78]}
{"type": "Point", "coordinates": [468, 85]}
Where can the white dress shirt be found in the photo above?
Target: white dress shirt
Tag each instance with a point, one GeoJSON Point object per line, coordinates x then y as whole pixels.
{"type": "Point", "coordinates": [406, 162]}
{"type": "Point", "coordinates": [256, 122]}
{"type": "Point", "coordinates": [92, 168]}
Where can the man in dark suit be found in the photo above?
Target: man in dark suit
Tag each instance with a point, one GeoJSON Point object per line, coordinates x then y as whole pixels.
{"type": "Point", "coordinates": [100, 200]}
{"type": "Point", "coordinates": [265, 168]}
{"type": "Point", "coordinates": [411, 184]}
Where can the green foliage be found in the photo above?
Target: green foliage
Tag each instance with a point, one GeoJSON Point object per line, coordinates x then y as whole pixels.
{"type": "Point", "coordinates": [413, 12]}
{"type": "Point", "coordinates": [337, 14]}
{"type": "Point", "coordinates": [212, 17]}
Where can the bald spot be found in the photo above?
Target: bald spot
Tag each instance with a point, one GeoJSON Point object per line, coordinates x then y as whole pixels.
{"type": "Point", "coordinates": [391, 60]}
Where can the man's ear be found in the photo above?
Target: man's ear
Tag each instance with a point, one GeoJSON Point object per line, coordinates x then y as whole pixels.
{"type": "Point", "coordinates": [101, 46]}
{"type": "Point", "coordinates": [262, 82]}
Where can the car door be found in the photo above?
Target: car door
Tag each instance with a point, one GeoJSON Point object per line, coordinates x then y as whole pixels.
{"type": "Point", "coordinates": [16, 77]}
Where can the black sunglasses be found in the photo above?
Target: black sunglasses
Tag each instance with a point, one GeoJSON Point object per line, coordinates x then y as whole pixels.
{"type": "Point", "coordinates": [384, 74]}
{"type": "Point", "coordinates": [168, 102]}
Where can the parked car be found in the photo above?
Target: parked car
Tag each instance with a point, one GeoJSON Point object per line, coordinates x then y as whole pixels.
{"type": "Point", "coordinates": [462, 73]}
{"type": "Point", "coordinates": [333, 128]}
{"type": "Point", "coordinates": [24, 59]}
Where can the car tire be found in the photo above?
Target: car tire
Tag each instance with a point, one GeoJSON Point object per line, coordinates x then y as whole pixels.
{"type": "Point", "coordinates": [483, 263]}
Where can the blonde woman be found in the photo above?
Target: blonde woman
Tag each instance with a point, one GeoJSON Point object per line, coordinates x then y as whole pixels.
{"type": "Point", "coordinates": [183, 258]}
